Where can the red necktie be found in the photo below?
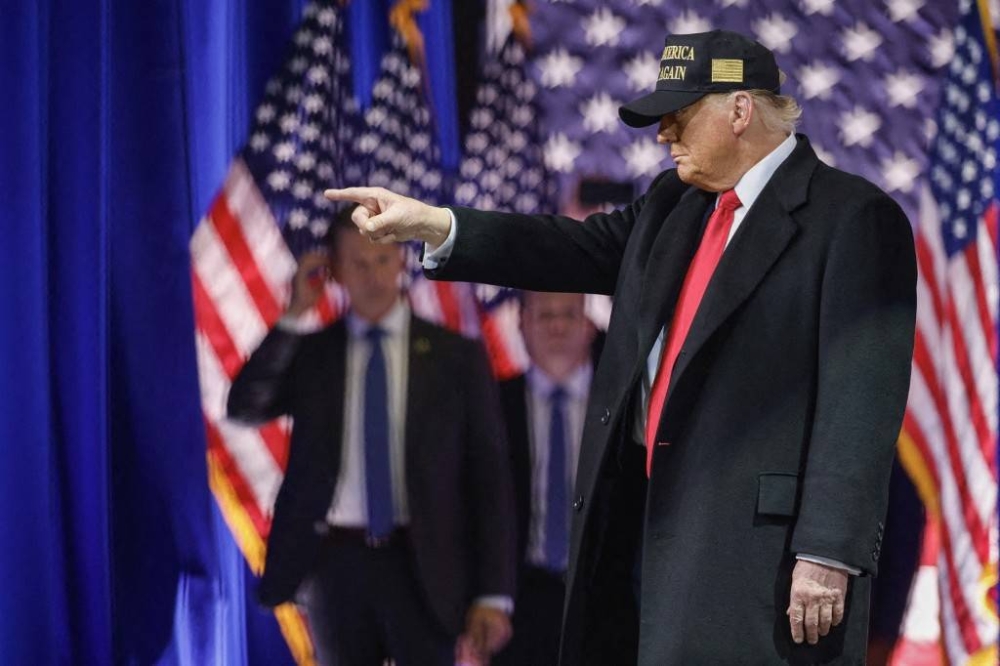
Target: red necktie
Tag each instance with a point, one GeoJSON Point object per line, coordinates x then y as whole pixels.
{"type": "Point", "coordinates": [695, 282]}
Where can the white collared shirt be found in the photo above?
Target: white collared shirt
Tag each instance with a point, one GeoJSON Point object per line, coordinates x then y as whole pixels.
{"type": "Point", "coordinates": [539, 403]}
{"type": "Point", "coordinates": [349, 507]}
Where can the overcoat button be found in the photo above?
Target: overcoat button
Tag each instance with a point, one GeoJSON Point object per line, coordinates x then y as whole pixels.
{"type": "Point", "coordinates": [606, 416]}
{"type": "Point", "coordinates": [578, 503]}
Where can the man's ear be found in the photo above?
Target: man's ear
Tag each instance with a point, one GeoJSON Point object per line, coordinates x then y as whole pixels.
{"type": "Point", "coordinates": [741, 112]}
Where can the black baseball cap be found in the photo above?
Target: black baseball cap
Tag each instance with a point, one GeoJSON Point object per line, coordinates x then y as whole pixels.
{"type": "Point", "coordinates": [697, 64]}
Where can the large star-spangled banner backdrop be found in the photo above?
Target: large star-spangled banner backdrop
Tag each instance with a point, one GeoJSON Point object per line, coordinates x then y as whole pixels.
{"type": "Point", "coordinates": [871, 77]}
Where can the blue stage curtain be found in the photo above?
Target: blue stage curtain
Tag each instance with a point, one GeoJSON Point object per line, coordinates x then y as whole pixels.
{"type": "Point", "coordinates": [119, 122]}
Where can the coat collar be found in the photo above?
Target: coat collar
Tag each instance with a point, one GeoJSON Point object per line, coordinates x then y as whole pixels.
{"type": "Point", "coordinates": [766, 231]}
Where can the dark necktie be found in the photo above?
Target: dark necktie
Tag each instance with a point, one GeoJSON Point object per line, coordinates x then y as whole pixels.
{"type": "Point", "coordinates": [378, 471]}
{"type": "Point", "coordinates": [556, 506]}
{"type": "Point", "coordinates": [713, 243]}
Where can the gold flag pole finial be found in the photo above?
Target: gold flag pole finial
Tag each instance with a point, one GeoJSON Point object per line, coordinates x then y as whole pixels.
{"type": "Point", "coordinates": [522, 24]}
{"type": "Point", "coordinates": [402, 18]}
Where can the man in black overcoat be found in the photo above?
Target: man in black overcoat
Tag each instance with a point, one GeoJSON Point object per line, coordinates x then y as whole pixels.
{"type": "Point", "coordinates": [758, 358]}
{"type": "Point", "coordinates": [396, 508]}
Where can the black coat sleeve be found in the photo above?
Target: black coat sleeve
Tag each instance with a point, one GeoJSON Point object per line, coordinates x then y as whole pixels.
{"type": "Point", "coordinates": [262, 389]}
{"type": "Point", "coordinates": [866, 334]}
{"type": "Point", "coordinates": [543, 252]}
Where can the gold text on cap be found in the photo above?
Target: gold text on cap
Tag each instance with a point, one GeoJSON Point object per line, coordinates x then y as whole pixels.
{"type": "Point", "coordinates": [672, 73]}
{"type": "Point", "coordinates": [677, 53]}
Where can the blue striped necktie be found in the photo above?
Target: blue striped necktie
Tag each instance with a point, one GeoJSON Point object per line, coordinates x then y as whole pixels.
{"type": "Point", "coordinates": [378, 471]}
{"type": "Point", "coordinates": [556, 506]}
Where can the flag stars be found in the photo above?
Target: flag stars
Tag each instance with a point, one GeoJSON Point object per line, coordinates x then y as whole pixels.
{"type": "Point", "coordinates": [259, 142]}
{"type": "Point", "coordinates": [288, 123]}
{"type": "Point", "coordinates": [903, 10]}
{"type": "Point", "coordinates": [327, 17]}
{"type": "Point", "coordinates": [900, 172]}
{"type": "Point", "coordinates": [969, 74]}
{"type": "Point", "coordinates": [322, 46]}
{"type": "Point", "coordinates": [858, 126]}
{"type": "Point", "coordinates": [817, 80]}
{"type": "Point", "coordinates": [963, 199]}
{"type": "Point", "coordinates": [298, 219]}
{"type": "Point", "coordinates": [902, 88]}
{"type": "Point", "coordinates": [824, 155]}
{"type": "Point", "coordinates": [731, 3]}
{"type": "Point", "coordinates": [559, 68]}
{"type": "Point", "coordinates": [279, 181]}
{"type": "Point", "coordinates": [983, 92]}
{"type": "Point", "coordinates": [560, 153]}
{"type": "Point", "coordinates": [643, 157]}
{"type": "Point", "coordinates": [775, 32]}
{"type": "Point", "coordinates": [318, 227]}
{"type": "Point", "coordinates": [313, 103]}
{"type": "Point", "coordinates": [941, 48]}
{"type": "Point", "coordinates": [600, 113]}
{"type": "Point", "coordinates": [306, 161]}
{"type": "Point", "coordinates": [603, 28]}
{"type": "Point", "coordinates": [822, 7]}
{"type": "Point", "coordinates": [302, 190]}
{"type": "Point", "coordinates": [970, 171]}
{"type": "Point", "coordinates": [310, 133]}
{"type": "Point", "coordinates": [284, 151]}
{"type": "Point", "coordinates": [641, 71]}
{"type": "Point", "coordinates": [318, 75]}
{"type": "Point", "coordinates": [266, 113]}
{"type": "Point", "coordinates": [992, 130]}
{"type": "Point", "coordinates": [860, 42]}
{"type": "Point", "coordinates": [304, 38]}
{"type": "Point", "coordinates": [688, 22]}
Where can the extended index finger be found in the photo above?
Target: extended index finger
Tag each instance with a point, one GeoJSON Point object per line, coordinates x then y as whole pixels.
{"type": "Point", "coordinates": [356, 194]}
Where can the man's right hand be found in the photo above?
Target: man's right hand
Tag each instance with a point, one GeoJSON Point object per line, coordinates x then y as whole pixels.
{"type": "Point", "coordinates": [308, 283]}
{"type": "Point", "coordinates": [387, 217]}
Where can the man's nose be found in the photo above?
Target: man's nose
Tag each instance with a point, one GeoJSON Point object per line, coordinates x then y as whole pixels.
{"type": "Point", "coordinates": [666, 132]}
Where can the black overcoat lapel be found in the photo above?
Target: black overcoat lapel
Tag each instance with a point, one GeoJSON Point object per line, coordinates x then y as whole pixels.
{"type": "Point", "coordinates": [667, 264]}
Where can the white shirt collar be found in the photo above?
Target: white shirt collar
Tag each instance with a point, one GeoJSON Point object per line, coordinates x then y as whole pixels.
{"type": "Point", "coordinates": [393, 322]}
{"type": "Point", "coordinates": [577, 385]}
{"type": "Point", "coordinates": [753, 181]}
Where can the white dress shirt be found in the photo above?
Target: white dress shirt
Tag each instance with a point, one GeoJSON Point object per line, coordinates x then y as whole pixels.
{"type": "Point", "coordinates": [539, 403]}
{"type": "Point", "coordinates": [349, 507]}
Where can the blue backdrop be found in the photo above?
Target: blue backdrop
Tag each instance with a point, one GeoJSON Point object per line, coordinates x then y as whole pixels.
{"type": "Point", "coordinates": [119, 121]}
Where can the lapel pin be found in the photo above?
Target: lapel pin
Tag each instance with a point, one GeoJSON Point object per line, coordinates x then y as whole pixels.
{"type": "Point", "coordinates": [421, 345]}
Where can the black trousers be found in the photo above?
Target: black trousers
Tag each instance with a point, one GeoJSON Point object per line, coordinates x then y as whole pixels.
{"type": "Point", "coordinates": [365, 605]}
{"type": "Point", "coordinates": [537, 623]}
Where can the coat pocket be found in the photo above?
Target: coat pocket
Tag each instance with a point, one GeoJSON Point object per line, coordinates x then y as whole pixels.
{"type": "Point", "coordinates": [777, 494]}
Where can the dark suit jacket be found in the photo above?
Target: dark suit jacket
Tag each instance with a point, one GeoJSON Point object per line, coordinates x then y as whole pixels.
{"type": "Point", "coordinates": [457, 468]}
{"type": "Point", "coordinates": [513, 401]}
{"type": "Point", "coordinates": [784, 406]}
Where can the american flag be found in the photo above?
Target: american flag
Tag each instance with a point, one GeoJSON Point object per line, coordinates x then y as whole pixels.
{"type": "Point", "coordinates": [502, 169]}
{"type": "Point", "coordinates": [949, 440]}
{"type": "Point", "coordinates": [399, 151]}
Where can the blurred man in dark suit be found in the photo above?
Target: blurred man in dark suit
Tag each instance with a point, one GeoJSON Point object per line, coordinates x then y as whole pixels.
{"type": "Point", "coordinates": [544, 409]}
{"type": "Point", "coordinates": [399, 514]}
